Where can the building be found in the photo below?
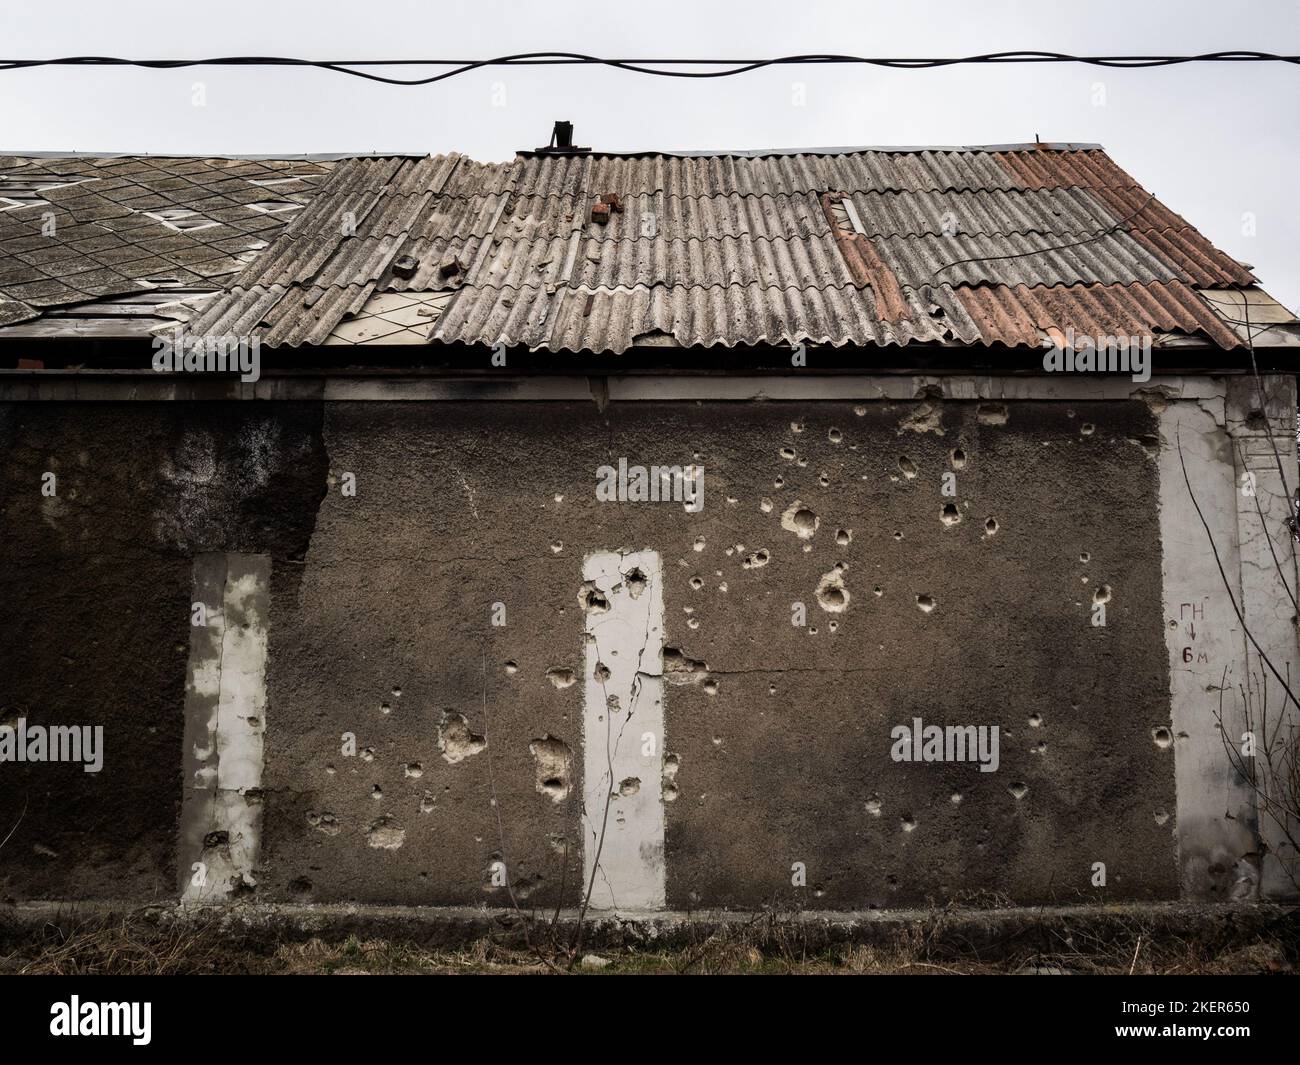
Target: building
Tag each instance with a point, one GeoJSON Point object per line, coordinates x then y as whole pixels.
{"type": "Point", "coordinates": [840, 529]}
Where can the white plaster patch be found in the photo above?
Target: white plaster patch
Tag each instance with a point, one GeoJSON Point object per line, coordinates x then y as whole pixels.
{"type": "Point", "coordinates": [623, 718]}
{"type": "Point", "coordinates": [225, 710]}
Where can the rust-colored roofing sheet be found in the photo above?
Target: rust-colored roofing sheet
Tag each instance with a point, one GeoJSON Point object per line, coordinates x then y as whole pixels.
{"type": "Point", "coordinates": [1022, 314]}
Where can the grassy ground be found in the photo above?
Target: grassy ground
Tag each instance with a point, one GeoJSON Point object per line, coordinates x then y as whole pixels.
{"type": "Point", "coordinates": [127, 946]}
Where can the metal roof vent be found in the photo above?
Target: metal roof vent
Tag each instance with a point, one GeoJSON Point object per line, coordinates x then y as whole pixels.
{"type": "Point", "coordinates": [561, 141]}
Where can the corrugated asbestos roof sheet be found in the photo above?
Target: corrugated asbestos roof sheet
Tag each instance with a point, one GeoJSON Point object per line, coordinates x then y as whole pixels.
{"type": "Point", "coordinates": [864, 247]}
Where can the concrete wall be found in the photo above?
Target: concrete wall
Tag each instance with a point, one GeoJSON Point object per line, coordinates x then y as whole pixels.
{"type": "Point", "coordinates": [427, 648]}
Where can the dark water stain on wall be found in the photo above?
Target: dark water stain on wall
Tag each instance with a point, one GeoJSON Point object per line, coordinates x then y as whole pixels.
{"type": "Point", "coordinates": [96, 582]}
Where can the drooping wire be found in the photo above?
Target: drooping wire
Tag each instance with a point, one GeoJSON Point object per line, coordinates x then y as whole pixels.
{"type": "Point", "coordinates": [663, 68]}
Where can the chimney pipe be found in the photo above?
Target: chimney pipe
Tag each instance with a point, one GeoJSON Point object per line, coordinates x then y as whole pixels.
{"type": "Point", "coordinates": [561, 141]}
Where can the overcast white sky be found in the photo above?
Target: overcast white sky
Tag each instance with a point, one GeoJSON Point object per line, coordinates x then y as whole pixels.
{"type": "Point", "coordinates": [1213, 142]}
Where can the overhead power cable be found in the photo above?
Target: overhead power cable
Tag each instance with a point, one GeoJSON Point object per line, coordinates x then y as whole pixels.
{"type": "Point", "coordinates": [662, 68]}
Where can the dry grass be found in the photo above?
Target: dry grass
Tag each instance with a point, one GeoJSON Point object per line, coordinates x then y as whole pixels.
{"type": "Point", "coordinates": [132, 946]}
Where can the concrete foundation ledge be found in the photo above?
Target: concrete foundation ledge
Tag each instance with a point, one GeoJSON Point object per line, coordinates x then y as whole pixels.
{"type": "Point", "coordinates": [987, 934]}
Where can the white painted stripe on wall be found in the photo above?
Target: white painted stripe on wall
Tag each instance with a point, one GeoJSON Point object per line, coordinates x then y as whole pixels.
{"type": "Point", "coordinates": [221, 818]}
{"type": "Point", "coordinates": [1215, 812]}
{"type": "Point", "coordinates": [623, 732]}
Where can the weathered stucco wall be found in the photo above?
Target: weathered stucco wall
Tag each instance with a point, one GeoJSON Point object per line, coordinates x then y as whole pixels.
{"type": "Point", "coordinates": [399, 681]}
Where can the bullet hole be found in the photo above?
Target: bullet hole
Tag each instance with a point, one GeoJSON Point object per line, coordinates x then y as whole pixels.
{"type": "Point", "coordinates": [1035, 720]}
{"type": "Point", "coordinates": [1149, 443]}
{"type": "Point", "coordinates": [1084, 556]}
{"type": "Point", "coordinates": [322, 822]}
{"type": "Point", "coordinates": [991, 527]}
{"type": "Point", "coordinates": [860, 411]}
{"type": "Point", "coordinates": [1101, 594]}
{"type": "Point", "coordinates": [697, 583]}
{"type": "Point", "coordinates": [1162, 737]}
{"type": "Point", "coordinates": [800, 520]}
{"type": "Point", "coordinates": [672, 763]}
{"type": "Point", "coordinates": [1087, 429]}
{"type": "Point", "coordinates": [779, 483]}
{"type": "Point", "coordinates": [787, 453]}
{"type": "Point", "coordinates": [843, 537]}
{"type": "Point", "coordinates": [561, 678]}
{"type": "Point", "coordinates": [512, 666]}
{"type": "Point", "coordinates": [824, 480]}
{"type": "Point", "coordinates": [629, 786]}
{"type": "Point", "coordinates": [367, 754]}
{"type": "Point", "coordinates": [397, 693]}
{"type": "Point", "coordinates": [554, 765]}
{"type": "Point", "coordinates": [925, 602]}
{"type": "Point", "coordinates": [957, 457]}
{"type": "Point", "coordinates": [907, 466]}
{"type": "Point", "coordinates": [796, 427]}
{"type": "Point", "coordinates": [925, 417]}
{"type": "Point", "coordinates": [1019, 789]}
{"type": "Point", "coordinates": [692, 623]}
{"type": "Point", "coordinates": [757, 560]}
{"type": "Point", "coordinates": [878, 591]}
{"type": "Point", "coordinates": [771, 689]}
{"type": "Point", "coordinates": [699, 543]}
{"type": "Point", "coordinates": [831, 593]}
{"type": "Point", "coordinates": [1161, 817]}
{"type": "Point", "coordinates": [1038, 748]}
{"type": "Point", "coordinates": [330, 769]}
{"type": "Point", "coordinates": [413, 770]}
{"type": "Point", "coordinates": [300, 888]}
{"type": "Point", "coordinates": [898, 535]}
{"type": "Point", "coordinates": [908, 823]}
{"type": "Point", "coordinates": [385, 709]}
{"type": "Point", "coordinates": [722, 587]}
{"type": "Point", "coordinates": [835, 436]}
{"type": "Point", "coordinates": [456, 740]}
{"type": "Point", "coordinates": [557, 547]}
{"type": "Point", "coordinates": [992, 414]}
{"type": "Point", "coordinates": [765, 505]}
{"type": "Point", "coordinates": [711, 687]}
{"type": "Point", "coordinates": [210, 842]}
{"type": "Point", "coordinates": [385, 834]}
{"type": "Point", "coordinates": [812, 631]}
{"type": "Point", "coordinates": [376, 793]}
{"type": "Point", "coordinates": [950, 514]}
{"type": "Point", "coordinates": [955, 798]}
{"type": "Point", "coordinates": [427, 802]}
{"type": "Point", "coordinates": [601, 672]}
{"type": "Point", "coordinates": [636, 583]}
{"type": "Point", "coordinates": [592, 599]}
{"type": "Point", "coordinates": [679, 668]}
{"type": "Point", "coordinates": [873, 806]}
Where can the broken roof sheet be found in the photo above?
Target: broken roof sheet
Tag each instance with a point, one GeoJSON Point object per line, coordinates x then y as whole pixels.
{"type": "Point", "coordinates": [860, 247]}
{"type": "Point", "coordinates": [77, 231]}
